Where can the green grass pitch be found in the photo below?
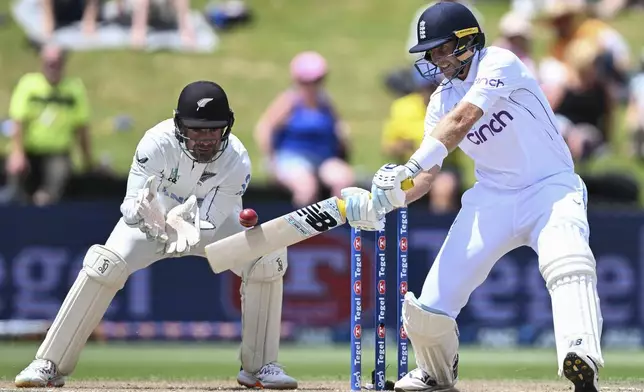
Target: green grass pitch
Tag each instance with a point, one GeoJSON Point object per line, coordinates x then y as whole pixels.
{"type": "Point", "coordinates": [204, 361]}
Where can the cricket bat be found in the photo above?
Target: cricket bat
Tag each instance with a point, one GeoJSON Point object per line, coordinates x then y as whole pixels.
{"type": "Point", "coordinates": [280, 232]}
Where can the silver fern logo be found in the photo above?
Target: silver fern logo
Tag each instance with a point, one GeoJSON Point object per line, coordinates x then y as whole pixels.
{"type": "Point", "coordinates": [203, 102]}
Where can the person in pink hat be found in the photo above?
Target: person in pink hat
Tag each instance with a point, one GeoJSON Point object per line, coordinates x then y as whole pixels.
{"type": "Point", "coordinates": [302, 136]}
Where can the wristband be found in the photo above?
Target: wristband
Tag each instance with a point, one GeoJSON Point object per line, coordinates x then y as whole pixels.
{"type": "Point", "coordinates": [430, 153]}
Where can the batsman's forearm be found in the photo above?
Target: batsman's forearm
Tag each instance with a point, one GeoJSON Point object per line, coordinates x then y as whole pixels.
{"type": "Point", "coordinates": [422, 184]}
{"type": "Point", "coordinates": [443, 139]}
{"type": "Point", "coordinates": [453, 128]}
{"type": "Point", "coordinates": [451, 131]}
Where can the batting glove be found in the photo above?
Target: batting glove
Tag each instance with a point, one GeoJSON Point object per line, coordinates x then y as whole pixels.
{"type": "Point", "coordinates": [360, 210]}
{"type": "Point", "coordinates": [386, 188]}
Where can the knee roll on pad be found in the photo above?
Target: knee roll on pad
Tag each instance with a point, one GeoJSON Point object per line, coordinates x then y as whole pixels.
{"type": "Point", "coordinates": [105, 267]}
{"type": "Point", "coordinates": [434, 337]}
{"type": "Point", "coordinates": [267, 268]}
{"type": "Point", "coordinates": [564, 251]}
{"type": "Point", "coordinates": [103, 274]}
{"type": "Point", "coordinates": [261, 297]}
{"type": "Point", "coordinates": [568, 267]}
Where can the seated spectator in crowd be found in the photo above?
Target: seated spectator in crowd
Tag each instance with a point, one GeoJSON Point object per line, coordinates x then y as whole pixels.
{"type": "Point", "coordinates": [570, 21]}
{"type": "Point", "coordinates": [50, 112]}
{"type": "Point", "coordinates": [403, 132]}
{"type": "Point", "coordinates": [635, 111]}
{"type": "Point", "coordinates": [404, 129]}
{"type": "Point", "coordinates": [141, 15]}
{"type": "Point", "coordinates": [608, 9]}
{"type": "Point", "coordinates": [302, 136]}
{"type": "Point", "coordinates": [527, 8]}
{"type": "Point", "coordinates": [516, 36]}
{"type": "Point", "coordinates": [584, 100]}
{"type": "Point", "coordinates": [161, 14]}
{"type": "Point", "coordinates": [61, 13]}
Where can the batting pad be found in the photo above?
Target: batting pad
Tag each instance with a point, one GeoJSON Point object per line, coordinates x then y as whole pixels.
{"type": "Point", "coordinates": [261, 298]}
{"type": "Point", "coordinates": [568, 267]}
{"type": "Point", "coordinates": [434, 338]}
{"type": "Point", "coordinates": [103, 274]}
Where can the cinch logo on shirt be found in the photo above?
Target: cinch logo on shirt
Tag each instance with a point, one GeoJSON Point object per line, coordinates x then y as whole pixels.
{"type": "Point", "coordinates": [485, 131]}
{"type": "Point", "coordinates": [490, 82]}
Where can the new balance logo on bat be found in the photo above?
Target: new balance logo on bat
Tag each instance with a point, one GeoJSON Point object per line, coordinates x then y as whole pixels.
{"type": "Point", "coordinates": [317, 218]}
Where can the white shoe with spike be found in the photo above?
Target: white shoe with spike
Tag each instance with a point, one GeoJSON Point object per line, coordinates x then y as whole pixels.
{"type": "Point", "coordinates": [40, 373]}
{"type": "Point", "coordinates": [270, 376]}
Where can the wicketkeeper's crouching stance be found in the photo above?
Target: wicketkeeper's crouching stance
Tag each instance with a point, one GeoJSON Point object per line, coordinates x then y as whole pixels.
{"type": "Point", "coordinates": [192, 168]}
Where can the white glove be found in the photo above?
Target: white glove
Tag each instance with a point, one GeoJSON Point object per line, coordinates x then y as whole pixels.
{"type": "Point", "coordinates": [386, 188]}
{"type": "Point", "coordinates": [147, 213]}
{"type": "Point", "coordinates": [183, 227]}
{"type": "Point", "coordinates": [360, 211]}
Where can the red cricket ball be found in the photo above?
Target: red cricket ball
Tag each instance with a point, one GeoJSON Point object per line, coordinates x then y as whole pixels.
{"type": "Point", "coordinates": [248, 217]}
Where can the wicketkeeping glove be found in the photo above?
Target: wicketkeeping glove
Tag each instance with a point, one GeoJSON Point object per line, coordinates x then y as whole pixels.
{"type": "Point", "coordinates": [183, 227]}
{"type": "Point", "coordinates": [147, 213]}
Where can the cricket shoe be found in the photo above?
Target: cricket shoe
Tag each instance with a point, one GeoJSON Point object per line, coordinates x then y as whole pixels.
{"type": "Point", "coordinates": [419, 380]}
{"type": "Point", "coordinates": [582, 371]}
{"type": "Point", "coordinates": [41, 373]}
{"type": "Point", "coordinates": [270, 376]}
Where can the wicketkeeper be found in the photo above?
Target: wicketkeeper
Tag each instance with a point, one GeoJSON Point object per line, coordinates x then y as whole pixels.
{"type": "Point", "coordinates": [184, 191]}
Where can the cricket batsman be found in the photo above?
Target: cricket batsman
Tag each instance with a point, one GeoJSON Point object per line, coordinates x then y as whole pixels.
{"type": "Point", "coordinates": [527, 193]}
{"type": "Point", "coordinates": [184, 191]}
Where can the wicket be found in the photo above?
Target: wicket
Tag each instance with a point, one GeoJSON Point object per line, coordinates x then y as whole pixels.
{"type": "Point", "coordinates": [380, 303]}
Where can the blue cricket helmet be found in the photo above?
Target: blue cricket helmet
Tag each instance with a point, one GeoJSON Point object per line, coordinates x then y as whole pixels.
{"type": "Point", "coordinates": [444, 22]}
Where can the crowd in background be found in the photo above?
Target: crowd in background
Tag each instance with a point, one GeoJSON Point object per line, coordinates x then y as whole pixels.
{"type": "Point", "coordinates": [587, 72]}
{"type": "Point", "coordinates": [139, 16]}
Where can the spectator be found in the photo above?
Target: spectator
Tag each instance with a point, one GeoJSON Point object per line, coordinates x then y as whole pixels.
{"type": "Point", "coordinates": [60, 13]}
{"type": "Point", "coordinates": [635, 111]}
{"type": "Point", "coordinates": [142, 15]}
{"type": "Point", "coordinates": [570, 22]}
{"type": "Point", "coordinates": [608, 9]}
{"type": "Point", "coordinates": [516, 36]}
{"type": "Point", "coordinates": [404, 129]}
{"type": "Point", "coordinates": [302, 136]}
{"type": "Point", "coordinates": [584, 100]}
{"type": "Point", "coordinates": [161, 14]}
{"type": "Point", "coordinates": [403, 132]}
{"type": "Point", "coordinates": [527, 8]}
{"type": "Point", "coordinates": [49, 110]}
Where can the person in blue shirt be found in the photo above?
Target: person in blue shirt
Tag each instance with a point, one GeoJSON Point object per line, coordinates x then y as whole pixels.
{"type": "Point", "coordinates": [302, 137]}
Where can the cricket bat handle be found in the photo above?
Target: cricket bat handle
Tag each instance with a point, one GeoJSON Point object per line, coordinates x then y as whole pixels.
{"type": "Point", "coordinates": [406, 185]}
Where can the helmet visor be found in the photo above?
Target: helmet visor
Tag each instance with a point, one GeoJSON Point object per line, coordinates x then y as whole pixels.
{"type": "Point", "coordinates": [195, 123]}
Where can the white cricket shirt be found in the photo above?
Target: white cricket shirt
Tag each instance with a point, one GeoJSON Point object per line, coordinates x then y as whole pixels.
{"type": "Point", "coordinates": [516, 143]}
{"type": "Point", "coordinates": [218, 185]}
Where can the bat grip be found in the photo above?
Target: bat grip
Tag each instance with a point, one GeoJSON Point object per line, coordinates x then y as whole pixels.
{"type": "Point", "coordinates": [407, 184]}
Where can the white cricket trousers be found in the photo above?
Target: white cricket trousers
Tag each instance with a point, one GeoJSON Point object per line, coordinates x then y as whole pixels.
{"type": "Point", "coordinates": [491, 223]}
